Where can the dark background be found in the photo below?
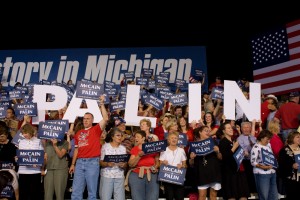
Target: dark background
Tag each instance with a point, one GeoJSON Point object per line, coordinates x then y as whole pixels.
{"type": "Point", "coordinates": [226, 33]}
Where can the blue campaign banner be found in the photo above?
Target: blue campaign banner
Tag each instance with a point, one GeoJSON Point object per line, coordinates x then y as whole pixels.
{"type": "Point", "coordinates": [179, 99]}
{"type": "Point", "coordinates": [165, 74]}
{"type": "Point", "coordinates": [63, 122]}
{"type": "Point", "coordinates": [161, 80]}
{"type": "Point", "coordinates": [143, 97]}
{"type": "Point", "coordinates": [179, 83]}
{"type": "Point", "coordinates": [158, 89]}
{"type": "Point", "coordinates": [129, 75]}
{"type": "Point", "coordinates": [217, 93]}
{"type": "Point", "coordinates": [198, 76]}
{"type": "Point", "coordinates": [23, 89]}
{"type": "Point", "coordinates": [156, 102]}
{"type": "Point", "coordinates": [268, 158]}
{"type": "Point", "coordinates": [111, 92]}
{"type": "Point", "coordinates": [7, 192]}
{"type": "Point", "coordinates": [151, 84]}
{"type": "Point", "coordinates": [147, 73]}
{"type": "Point", "coordinates": [48, 130]}
{"type": "Point", "coordinates": [201, 148]}
{"type": "Point", "coordinates": [117, 105]}
{"type": "Point", "coordinates": [15, 94]}
{"type": "Point", "coordinates": [141, 81]}
{"type": "Point", "coordinates": [297, 159]}
{"type": "Point", "coordinates": [3, 111]}
{"type": "Point", "coordinates": [29, 109]}
{"type": "Point", "coordinates": [123, 91]}
{"type": "Point", "coordinates": [70, 94]}
{"type": "Point", "coordinates": [239, 156]}
{"type": "Point", "coordinates": [171, 174]}
{"type": "Point", "coordinates": [99, 64]}
{"type": "Point", "coordinates": [182, 139]}
{"type": "Point", "coordinates": [154, 147]}
{"type": "Point", "coordinates": [27, 98]}
{"type": "Point", "coordinates": [6, 165]}
{"type": "Point", "coordinates": [17, 138]}
{"type": "Point", "coordinates": [30, 157]}
{"type": "Point", "coordinates": [107, 99]}
{"type": "Point", "coordinates": [117, 158]}
{"type": "Point", "coordinates": [163, 92]}
{"type": "Point", "coordinates": [5, 103]}
{"type": "Point", "coordinates": [89, 90]}
{"type": "Point", "coordinates": [109, 84]}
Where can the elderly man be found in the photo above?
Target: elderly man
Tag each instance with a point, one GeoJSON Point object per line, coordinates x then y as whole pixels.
{"type": "Point", "coordinates": [246, 141]}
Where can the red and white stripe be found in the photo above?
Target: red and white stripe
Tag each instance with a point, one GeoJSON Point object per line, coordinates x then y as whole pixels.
{"type": "Point", "coordinates": [284, 77]}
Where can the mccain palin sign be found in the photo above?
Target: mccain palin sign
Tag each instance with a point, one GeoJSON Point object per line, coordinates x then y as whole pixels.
{"type": "Point", "coordinates": [99, 64]}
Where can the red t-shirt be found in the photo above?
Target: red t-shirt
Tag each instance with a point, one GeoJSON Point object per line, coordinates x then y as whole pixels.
{"type": "Point", "coordinates": [88, 142]}
{"type": "Point", "coordinates": [159, 131]}
{"type": "Point", "coordinates": [265, 111]}
{"type": "Point", "coordinates": [147, 160]}
{"type": "Point", "coordinates": [276, 145]}
{"type": "Point", "coordinates": [288, 115]}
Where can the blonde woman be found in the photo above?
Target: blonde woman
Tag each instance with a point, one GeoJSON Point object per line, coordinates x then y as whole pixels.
{"type": "Point", "coordinates": [145, 125]}
{"type": "Point", "coordinates": [276, 142]}
{"type": "Point", "coordinates": [174, 156]}
{"type": "Point", "coordinates": [30, 186]}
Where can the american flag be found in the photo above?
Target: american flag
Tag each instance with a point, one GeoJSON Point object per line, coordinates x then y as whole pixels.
{"type": "Point", "coordinates": [276, 59]}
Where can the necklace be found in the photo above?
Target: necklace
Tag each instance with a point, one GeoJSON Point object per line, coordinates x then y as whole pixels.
{"type": "Point", "coordinates": [294, 148]}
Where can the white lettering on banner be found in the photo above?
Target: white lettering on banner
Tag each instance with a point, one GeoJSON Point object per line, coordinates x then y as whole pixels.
{"type": "Point", "coordinates": [89, 92]}
{"type": "Point", "coordinates": [28, 153]}
{"type": "Point", "coordinates": [24, 106]}
{"type": "Point", "coordinates": [64, 70]}
{"type": "Point", "coordinates": [169, 169]}
{"type": "Point", "coordinates": [24, 112]}
{"type": "Point", "coordinates": [95, 87]}
{"type": "Point", "coordinates": [201, 144]}
{"type": "Point", "coordinates": [49, 127]}
{"type": "Point", "coordinates": [171, 176]}
{"type": "Point", "coordinates": [96, 68]}
{"type": "Point", "coordinates": [202, 149]}
{"type": "Point", "coordinates": [30, 160]}
{"type": "Point", "coordinates": [241, 153]}
{"type": "Point", "coordinates": [154, 144]}
{"type": "Point", "coordinates": [232, 92]}
{"type": "Point", "coordinates": [21, 71]}
{"type": "Point", "coordinates": [269, 160]}
{"type": "Point", "coordinates": [50, 133]}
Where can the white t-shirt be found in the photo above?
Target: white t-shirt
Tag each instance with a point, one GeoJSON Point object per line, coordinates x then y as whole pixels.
{"type": "Point", "coordinates": [173, 157]}
{"type": "Point", "coordinates": [112, 172]}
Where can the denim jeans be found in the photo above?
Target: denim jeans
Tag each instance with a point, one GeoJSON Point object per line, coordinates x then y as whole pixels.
{"type": "Point", "coordinates": [266, 186]}
{"type": "Point", "coordinates": [86, 174]}
{"type": "Point", "coordinates": [142, 189]}
{"type": "Point", "coordinates": [109, 186]}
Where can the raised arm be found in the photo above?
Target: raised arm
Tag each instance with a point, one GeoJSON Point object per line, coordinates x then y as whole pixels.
{"type": "Point", "coordinates": [103, 110]}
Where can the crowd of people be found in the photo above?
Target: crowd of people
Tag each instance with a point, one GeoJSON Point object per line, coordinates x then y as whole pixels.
{"type": "Point", "coordinates": [82, 154]}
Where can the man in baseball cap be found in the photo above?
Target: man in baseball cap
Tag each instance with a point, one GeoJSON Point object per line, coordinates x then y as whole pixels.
{"type": "Point", "coordinates": [119, 121]}
{"type": "Point", "coordinates": [294, 94]}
